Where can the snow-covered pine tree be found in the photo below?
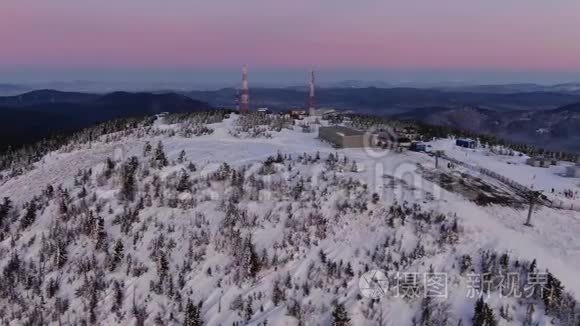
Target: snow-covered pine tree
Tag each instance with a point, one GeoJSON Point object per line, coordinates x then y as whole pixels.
{"type": "Point", "coordinates": [118, 254]}
{"type": "Point", "coordinates": [30, 216]}
{"type": "Point", "coordinates": [147, 149]}
{"type": "Point", "coordinates": [340, 316]}
{"type": "Point", "coordinates": [184, 184]}
{"type": "Point", "coordinates": [483, 315]}
{"type": "Point", "coordinates": [552, 295]}
{"type": "Point", "coordinates": [192, 315]}
{"type": "Point", "coordinates": [159, 160]}
{"type": "Point", "coordinates": [61, 254]}
{"type": "Point", "coordinates": [99, 233]}
{"type": "Point", "coordinates": [278, 294]}
{"type": "Point", "coordinates": [129, 184]}
{"type": "Point", "coordinates": [250, 260]}
{"type": "Point", "coordinates": [109, 168]}
{"type": "Point", "coordinates": [427, 312]}
{"type": "Point", "coordinates": [181, 158]}
{"type": "Point", "coordinates": [118, 296]}
{"type": "Point", "coordinates": [248, 309]}
{"type": "Point", "coordinates": [5, 209]}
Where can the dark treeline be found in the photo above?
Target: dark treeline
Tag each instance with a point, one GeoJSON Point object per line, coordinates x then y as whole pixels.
{"type": "Point", "coordinates": [20, 159]}
{"type": "Point", "coordinates": [31, 117]}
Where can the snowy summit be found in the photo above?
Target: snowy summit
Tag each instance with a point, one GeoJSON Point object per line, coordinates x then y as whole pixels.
{"type": "Point", "coordinates": [214, 218]}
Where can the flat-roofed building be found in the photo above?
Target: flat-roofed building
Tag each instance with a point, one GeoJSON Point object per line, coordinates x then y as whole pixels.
{"type": "Point", "coordinates": [344, 137]}
{"type": "Point", "coordinates": [467, 143]}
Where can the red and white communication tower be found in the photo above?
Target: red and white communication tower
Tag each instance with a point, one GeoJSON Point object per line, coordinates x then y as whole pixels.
{"type": "Point", "coordinates": [245, 96]}
{"type": "Point", "coordinates": [311, 98]}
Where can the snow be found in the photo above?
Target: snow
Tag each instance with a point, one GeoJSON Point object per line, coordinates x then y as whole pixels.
{"type": "Point", "coordinates": [553, 240]}
{"type": "Point", "coordinates": [515, 168]}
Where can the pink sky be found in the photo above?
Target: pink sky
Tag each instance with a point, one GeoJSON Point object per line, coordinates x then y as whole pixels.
{"type": "Point", "coordinates": [444, 34]}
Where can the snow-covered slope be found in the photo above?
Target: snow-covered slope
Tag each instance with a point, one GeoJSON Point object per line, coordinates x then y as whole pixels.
{"type": "Point", "coordinates": [254, 221]}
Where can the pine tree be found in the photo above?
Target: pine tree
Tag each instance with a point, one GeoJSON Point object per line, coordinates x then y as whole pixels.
{"type": "Point", "coordinates": [348, 270]}
{"type": "Point", "coordinates": [30, 216]}
{"type": "Point", "coordinates": [483, 315]}
{"type": "Point", "coordinates": [340, 316]}
{"type": "Point", "coordinates": [117, 254]}
{"type": "Point", "coordinates": [181, 157]}
{"type": "Point", "coordinates": [192, 315]}
{"type": "Point", "coordinates": [427, 312]}
{"type": "Point", "coordinates": [62, 207]}
{"type": "Point", "coordinates": [147, 149]}
{"type": "Point", "coordinates": [532, 267]}
{"type": "Point", "coordinates": [184, 183]}
{"type": "Point", "coordinates": [249, 311]}
{"type": "Point", "coordinates": [52, 287]}
{"type": "Point", "coordinates": [162, 267]}
{"type": "Point", "coordinates": [83, 193]}
{"type": "Point", "coordinates": [277, 293]}
{"type": "Point", "coordinates": [61, 254]}
{"type": "Point", "coordinates": [5, 209]}
{"type": "Point", "coordinates": [118, 296]}
{"type": "Point", "coordinates": [288, 281]}
{"type": "Point", "coordinates": [159, 159]}
{"type": "Point", "coordinates": [552, 295]}
{"type": "Point", "coordinates": [251, 262]}
{"type": "Point", "coordinates": [93, 302]}
{"type": "Point", "coordinates": [99, 233]}
{"type": "Point", "coordinates": [129, 184]}
{"type": "Point", "coordinates": [109, 167]}
{"type": "Point", "coordinates": [49, 191]}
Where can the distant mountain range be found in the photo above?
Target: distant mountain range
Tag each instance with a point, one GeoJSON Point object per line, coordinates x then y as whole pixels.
{"type": "Point", "coordinates": [8, 89]}
{"type": "Point", "coordinates": [568, 88]}
{"type": "Point", "coordinates": [385, 101]}
{"type": "Point", "coordinates": [548, 119]}
{"type": "Point", "coordinates": [32, 116]}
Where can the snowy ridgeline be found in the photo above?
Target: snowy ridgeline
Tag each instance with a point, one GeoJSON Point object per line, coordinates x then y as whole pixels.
{"type": "Point", "coordinates": [173, 233]}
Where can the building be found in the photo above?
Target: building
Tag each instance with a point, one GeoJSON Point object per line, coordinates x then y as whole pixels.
{"type": "Point", "coordinates": [327, 114]}
{"type": "Point", "coordinates": [467, 143]}
{"type": "Point", "coordinates": [539, 161]}
{"type": "Point", "coordinates": [420, 147]}
{"type": "Point", "coordinates": [573, 171]}
{"type": "Point", "coordinates": [264, 111]}
{"type": "Point", "coordinates": [393, 141]}
{"type": "Point", "coordinates": [344, 137]}
{"type": "Point", "coordinates": [298, 114]}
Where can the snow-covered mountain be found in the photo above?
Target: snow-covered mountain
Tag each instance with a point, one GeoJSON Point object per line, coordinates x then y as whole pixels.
{"type": "Point", "coordinates": [215, 219]}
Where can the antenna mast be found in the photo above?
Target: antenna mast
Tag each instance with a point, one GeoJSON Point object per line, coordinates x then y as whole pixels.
{"type": "Point", "coordinates": [245, 96]}
{"type": "Point", "coordinates": [311, 98]}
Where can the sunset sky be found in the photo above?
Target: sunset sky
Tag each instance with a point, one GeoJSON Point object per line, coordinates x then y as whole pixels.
{"type": "Point", "coordinates": [528, 36]}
